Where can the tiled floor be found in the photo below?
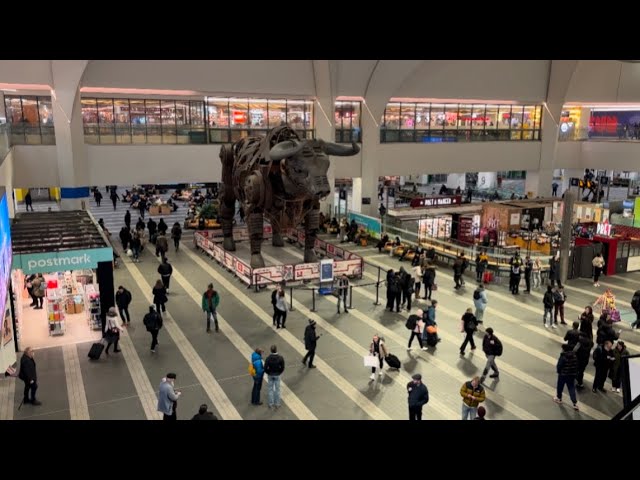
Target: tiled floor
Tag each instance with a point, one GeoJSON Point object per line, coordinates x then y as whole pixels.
{"type": "Point", "coordinates": [212, 368]}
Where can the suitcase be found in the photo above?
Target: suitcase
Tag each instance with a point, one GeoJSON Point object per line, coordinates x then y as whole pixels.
{"type": "Point", "coordinates": [432, 339]}
{"type": "Point", "coordinates": [487, 277]}
{"type": "Point", "coordinates": [392, 361]}
{"type": "Point", "coordinates": [96, 351]}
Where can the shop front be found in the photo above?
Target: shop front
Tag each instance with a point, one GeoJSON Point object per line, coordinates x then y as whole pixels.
{"type": "Point", "coordinates": [61, 295]}
{"type": "Point", "coordinates": [7, 341]}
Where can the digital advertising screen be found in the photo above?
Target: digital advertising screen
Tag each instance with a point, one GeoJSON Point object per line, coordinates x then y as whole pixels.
{"type": "Point", "coordinates": [5, 257]}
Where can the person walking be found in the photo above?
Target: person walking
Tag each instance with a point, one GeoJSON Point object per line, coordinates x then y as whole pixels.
{"type": "Point", "coordinates": [377, 349]}
{"type": "Point", "coordinates": [567, 368]}
{"type": "Point", "coordinates": [394, 292]}
{"type": "Point", "coordinates": [204, 413]}
{"type": "Point", "coordinates": [415, 323]}
{"type": "Point", "coordinates": [310, 343]}
{"type": "Point", "coordinates": [176, 234]}
{"type": "Point", "coordinates": [127, 219]}
{"type": "Point", "coordinates": [165, 270]}
{"type": "Point", "coordinates": [514, 278]}
{"type": "Point", "coordinates": [547, 302]}
{"type": "Point", "coordinates": [98, 197]}
{"type": "Point", "coordinates": [418, 397]}
{"type": "Point", "coordinates": [114, 198]}
{"type": "Point", "coordinates": [28, 201]}
{"type": "Point", "coordinates": [162, 246]}
{"type": "Point", "coordinates": [153, 323]}
{"type": "Point", "coordinates": [29, 376]}
{"type": "Point", "coordinates": [598, 266]}
{"type": "Point", "coordinates": [123, 299]}
{"type": "Point", "coordinates": [473, 394]}
{"type": "Point", "coordinates": [136, 245]}
{"type": "Point", "coordinates": [257, 372]}
{"type": "Point", "coordinates": [583, 353]}
{"type": "Point", "coordinates": [559, 297]}
{"type": "Point", "coordinates": [406, 283]}
{"type": "Point", "coordinates": [457, 272]}
{"type": "Point", "coordinates": [210, 301]}
{"type": "Point", "coordinates": [152, 226]}
{"type": "Point", "coordinates": [492, 348]}
{"type": "Point", "coordinates": [536, 269]}
{"type": "Point", "coordinates": [281, 310]}
{"type": "Point", "coordinates": [112, 331]}
{"type": "Point", "coordinates": [39, 287]}
{"type": "Point", "coordinates": [603, 359]}
{"type": "Point", "coordinates": [635, 304]}
{"type": "Point", "coordinates": [274, 301]}
{"type": "Point", "coordinates": [343, 292]}
{"type": "Point", "coordinates": [160, 297]}
{"type": "Point", "coordinates": [417, 278]}
{"type": "Point", "coordinates": [162, 227]}
{"type": "Point", "coordinates": [429, 280]}
{"type": "Point", "coordinates": [615, 374]}
{"type": "Point", "coordinates": [528, 268]}
{"type": "Point", "coordinates": [168, 398]}
{"type": "Point", "coordinates": [480, 301]}
{"type": "Point", "coordinates": [469, 324]}
{"type": "Point", "coordinates": [274, 367]}
{"type": "Point", "coordinates": [125, 237]}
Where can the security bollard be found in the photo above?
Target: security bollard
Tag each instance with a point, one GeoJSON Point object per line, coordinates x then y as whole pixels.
{"type": "Point", "coordinates": [377, 292]}
{"type": "Point", "coordinates": [291, 299]}
{"type": "Point", "coordinates": [350, 296]}
{"type": "Point", "coordinates": [313, 299]}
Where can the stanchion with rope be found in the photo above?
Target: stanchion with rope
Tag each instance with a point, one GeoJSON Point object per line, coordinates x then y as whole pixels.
{"type": "Point", "coordinates": [291, 299]}
{"type": "Point", "coordinates": [313, 299]}
{"type": "Point", "coordinates": [377, 293]}
{"type": "Point", "coordinates": [350, 296]}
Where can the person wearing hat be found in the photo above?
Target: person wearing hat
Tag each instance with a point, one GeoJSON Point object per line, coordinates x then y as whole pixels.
{"type": "Point", "coordinates": [168, 397]}
{"type": "Point", "coordinates": [418, 397]}
{"type": "Point", "coordinates": [310, 341]}
{"type": "Point", "coordinates": [112, 330]}
{"type": "Point", "coordinates": [153, 323]}
{"type": "Point", "coordinates": [469, 324]}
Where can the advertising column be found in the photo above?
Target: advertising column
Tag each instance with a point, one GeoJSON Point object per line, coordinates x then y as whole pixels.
{"type": "Point", "coordinates": [7, 349]}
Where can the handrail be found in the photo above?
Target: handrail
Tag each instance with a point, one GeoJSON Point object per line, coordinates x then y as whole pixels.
{"type": "Point", "coordinates": [628, 410]}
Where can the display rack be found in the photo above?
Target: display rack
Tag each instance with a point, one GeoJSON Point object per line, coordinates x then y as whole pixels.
{"type": "Point", "coordinates": [92, 300]}
{"type": "Point", "coordinates": [55, 312]}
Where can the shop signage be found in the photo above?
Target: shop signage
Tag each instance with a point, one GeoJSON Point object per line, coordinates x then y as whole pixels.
{"type": "Point", "coordinates": [370, 224]}
{"type": "Point", "coordinates": [604, 229]}
{"type": "Point", "coordinates": [436, 201]}
{"type": "Point", "coordinates": [64, 260]}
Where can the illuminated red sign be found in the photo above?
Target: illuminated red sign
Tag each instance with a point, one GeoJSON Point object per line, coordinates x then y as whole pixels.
{"type": "Point", "coordinates": [436, 201]}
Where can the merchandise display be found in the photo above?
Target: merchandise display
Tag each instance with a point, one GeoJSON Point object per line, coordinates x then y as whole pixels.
{"type": "Point", "coordinates": [92, 299]}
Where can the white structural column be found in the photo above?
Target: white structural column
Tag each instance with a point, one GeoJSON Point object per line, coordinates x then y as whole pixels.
{"type": "Point", "coordinates": [70, 148]}
{"type": "Point", "coordinates": [539, 180]}
{"type": "Point", "coordinates": [323, 121]}
{"type": "Point", "coordinates": [370, 172]}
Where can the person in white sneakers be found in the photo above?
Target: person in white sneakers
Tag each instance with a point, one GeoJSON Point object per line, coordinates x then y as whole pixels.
{"type": "Point", "coordinates": [598, 266]}
{"type": "Point", "coordinates": [377, 349]}
{"type": "Point", "coordinates": [416, 325]}
{"type": "Point", "coordinates": [567, 369]}
{"type": "Point", "coordinates": [547, 301]}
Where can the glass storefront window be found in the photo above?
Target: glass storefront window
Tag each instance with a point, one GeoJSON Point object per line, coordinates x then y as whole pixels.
{"type": "Point", "coordinates": [528, 118]}
{"type": "Point", "coordinates": [90, 120]}
{"type": "Point", "coordinates": [277, 113]}
{"type": "Point", "coordinates": [153, 121]}
{"type": "Point", "coordinates": [218, 112]}
{"type": "Point", "coordinates": [138, 121]}
{"type": "Point", "coordinates": [239, 112]}
{"type": "Point", "coordinates": [13, 107]}
{"type": "Point", "coordinates": [517, 117]}
{"type": "Point", "coordinates": [106, 121]}
{"type": "Point", "coordinates": [196, 115]}
{"type": "Point", "coordinates": [504, 117]}
{"type": "Point", "coordinates": [408, 116]}
{"type": "Point", "coordinates": [258, 112]}
{"type": "Point", "coordinates": [45, 111]}
{"type": "Point", "coordinates": [123, 120]}
{"type": "Point", "coordinates": [168, 118]}
{"type": "Point", "coordinates": [391, 119]}
{"type": "Point", "coordinates": [308, 115]}
{"type": "Point", "coordinates": [479, 118]}
{"type": "Point", "coordinates": [295, 114]}
{"type": "Point", "coordinates": [464, 116]}
{"type": "Point", "coordinates": [437, 117]}
{"type": "Point", "coordinates": [451, 116]}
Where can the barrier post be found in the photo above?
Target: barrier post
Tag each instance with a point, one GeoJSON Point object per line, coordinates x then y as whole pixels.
{"type": "Point", "coordinates": [291, 299]}
{"type": "Point", "coordinates": [313, 299]}
{"type": "Point", "coordinates": [377, 292]}
{"type": "Point", "coordinates": [255, 281]}
{"type": "Point", "coordinates": [350, 296]}
{"type": "Point", "coordinates": [378, 274]}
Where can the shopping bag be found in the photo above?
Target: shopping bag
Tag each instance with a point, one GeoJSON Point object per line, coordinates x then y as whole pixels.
{"type": "Point", "coordinates": [371, 361]}
{"type": "Point", "coordinates": [434, 287]}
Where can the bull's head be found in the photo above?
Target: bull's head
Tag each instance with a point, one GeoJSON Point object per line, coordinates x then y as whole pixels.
{"type": "Point", "coordinates": [304, 165]}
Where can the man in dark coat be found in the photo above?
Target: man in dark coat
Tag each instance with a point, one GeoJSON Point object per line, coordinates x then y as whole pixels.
{"type": "Point", "coordinates": [567, 368]}
{"type": "Point", "coordinates": [583, 353]}
{"type": "Point", "coordinates": [165, 270]}
{"type": "Point", "coordinates": [418, 397]}
{"type": "Point", "coordinates": [123, 299]}
{"type": "Point", "coordinates": [204, 414]}
{"type": "Point", "coordinates": [603, 359]}
{"type": "Point", "coordinates": [29, 376]}
{"type": "Point", "coordinates": [310, 341]}
{"type": "Point", "coordinates": [572, 336]}
{"type": "Point", "coordinates": [127, 219]}
{"type": "Point", "coordinates": [153, 323]}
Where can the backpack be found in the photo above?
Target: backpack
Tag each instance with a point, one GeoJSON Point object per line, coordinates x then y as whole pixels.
{"type": "Point", "coordinates": [412, 321]}
{"type": "Point", "coordinates": [558, 297]}
{"type": "Point", "coordinates": [471, 324]}
{"type": "Point", "coordinates": [252, 370]}
{"type": "Point", "coordinates": [498, 346]}
{"type": "Point", "coordinates": [476, 295]}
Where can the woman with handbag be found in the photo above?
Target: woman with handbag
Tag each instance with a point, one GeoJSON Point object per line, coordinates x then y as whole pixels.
{"type": "Point", "coordinates": [112, 330]}
{"type": "Point", "coordinates": [160, 297]}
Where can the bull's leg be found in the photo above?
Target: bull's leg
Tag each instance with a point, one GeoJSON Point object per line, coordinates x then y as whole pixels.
{"type": "Point", "coordinates": [277, 240]}
{"type": "Point", "coordinates": [227, 199]}
{"type": "Point", "coordinates": [311, 225]}
{"type": "Point", "coordinates": [255, 226]}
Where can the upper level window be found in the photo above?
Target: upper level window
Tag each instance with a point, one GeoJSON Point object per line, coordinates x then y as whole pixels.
{"type": "Point", "coordinates": [30, 119]}
{"type": "Point", "coordinates": [347, 122]}
{"type": "Point", "coordinates": [454, 122]}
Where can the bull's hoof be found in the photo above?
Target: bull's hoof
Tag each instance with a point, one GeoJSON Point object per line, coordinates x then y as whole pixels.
{"type": "Point", "coordinates": [229, 244]}
{"type": "Point", "coordinates": [310, 256]}
{"type": "Point", "coordinates": [277, 240]}
{"type": "Point", "coordinates": [257, 261]}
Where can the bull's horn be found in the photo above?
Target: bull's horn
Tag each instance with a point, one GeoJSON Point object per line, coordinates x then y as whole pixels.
{"type": "Point", "coordinates": [340, 150]}
{"type": "Point", "coordinates": [286, 149]}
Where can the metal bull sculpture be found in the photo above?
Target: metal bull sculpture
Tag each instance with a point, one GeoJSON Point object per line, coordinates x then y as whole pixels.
{"type": "Point", "coordinates": [281, 177]}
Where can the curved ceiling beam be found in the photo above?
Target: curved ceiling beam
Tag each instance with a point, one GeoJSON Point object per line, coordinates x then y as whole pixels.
{"type": "Point", "coordinates": [66, 75]}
